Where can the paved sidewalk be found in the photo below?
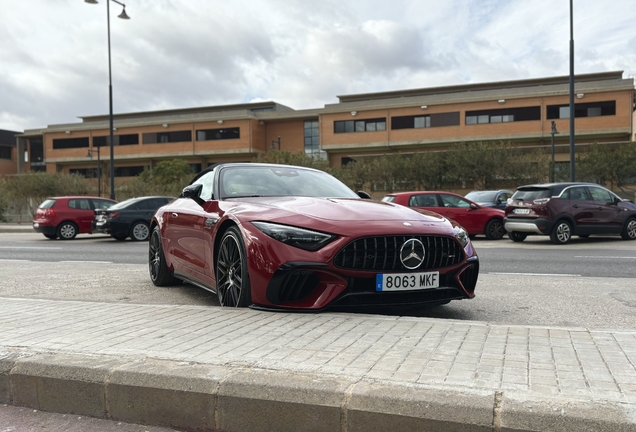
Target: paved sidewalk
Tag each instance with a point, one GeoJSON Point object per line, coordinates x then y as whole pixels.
{"type": "Point", "coordinates": [529, 378]}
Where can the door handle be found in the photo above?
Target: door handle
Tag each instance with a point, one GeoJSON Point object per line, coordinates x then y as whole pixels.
{"type": "Point", "coordinates": [575, 206]}
{"type": "Point", "coordinates": [175, 215]}
{"type": "Point", "coordinates": [600, 208]}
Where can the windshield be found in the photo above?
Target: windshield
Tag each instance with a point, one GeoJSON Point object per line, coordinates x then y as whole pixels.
{"type": "Point", "coordinates": [482, 196]}
{"type": "Point", "coordinates": [531, 194]}
{"type": "Point", "coordinates": [47, 204]}
{"type": "Point", "coordinates": [389, 198]}
{"type": "Point", "coordinates": [255, 181]}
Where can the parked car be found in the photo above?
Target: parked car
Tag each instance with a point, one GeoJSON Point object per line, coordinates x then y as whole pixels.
{"type": "Point", "coordinates": [561, 210]}
{"type": "Point", "coordinates": [287, 237]}
{"type": "Point", "coordinates": [490, 198]}
{"type": "Point", "coordinates": [65, 217]}
{"type": "Point", "coordinates": [129, 218]}
{"type": "Point", "coordinates": [476, 219]}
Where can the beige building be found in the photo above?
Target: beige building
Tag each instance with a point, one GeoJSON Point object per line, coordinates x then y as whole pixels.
{"type": "Point", "coordinates": [357, 126]}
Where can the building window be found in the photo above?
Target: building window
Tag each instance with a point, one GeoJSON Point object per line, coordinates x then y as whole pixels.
{"type": "Point", "coordinates": [218, 134]}
{"type": "Point", "coordinates": [118, 140]}
{"type": "Point", "coordinates": [196, 168]}
{"type": "Point", "coordinates": [368, 125]}
{"type": "Point", "coordinates": [425, 121]}
{"type": "Point", "coordinates": [503, 115]}
{"type": "Point", "coordinates": [129, 171]}
{"type": "Point", "coordinates": [5, 152]}
{"type": "Point", "coordinates": [167, 137]}
{"type": "Point", "coordinates": [84, 172]}
{"type": "Point", "coordinates": [591, 109]}
{"type": "Point", "coordinates": [66, 143]}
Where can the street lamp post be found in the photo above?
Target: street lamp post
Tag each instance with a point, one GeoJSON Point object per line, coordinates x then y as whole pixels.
{"type": "Point", "coordinates": [99, 169]}
{"type": "Point", "coordinates": [122, 15]}
{"type": "Point", "coordinates": [553, 132]}
{"type": "Point", "coordinates": [276, 143]}
{"type": "Point", "coordinates": [572, 110]}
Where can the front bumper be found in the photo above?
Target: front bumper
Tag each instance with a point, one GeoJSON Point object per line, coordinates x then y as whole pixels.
{"type": "Point", "coordinates": [303, 285]}
{"type": "Point", "coordinates": [533, 226]}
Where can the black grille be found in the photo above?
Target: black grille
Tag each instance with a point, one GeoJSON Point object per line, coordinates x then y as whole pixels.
{"type": "Point", "coordinates": [383, 253]}
{"type": "Point", "coordinates": [292, 285]}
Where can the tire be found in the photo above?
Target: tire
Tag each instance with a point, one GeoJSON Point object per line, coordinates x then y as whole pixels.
{"type": "Point", "coordinates": [517, 236]}
{"type": "Point", "coordinates": [118, 237]}
{"type": "Point", "coordinates": [629, 230]}
{"type": "Point", "coordinates": [160, 274]}
{"type": "Point", "coordinates": [561, 233]}
{"type": "Point", "coordinates": [494, 229]}
{"type": "Point", "coordinates": [139, 231]}
{"type": "Point", "coordinates": [50, 236]}
{"type": "Point", "coordinates": [67, 231]}
{"type": "Point", "coordinates": [232, 278]}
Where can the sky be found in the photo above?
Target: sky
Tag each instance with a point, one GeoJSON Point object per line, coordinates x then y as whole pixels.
{"type": "Point", "coordinates": [299, 53]}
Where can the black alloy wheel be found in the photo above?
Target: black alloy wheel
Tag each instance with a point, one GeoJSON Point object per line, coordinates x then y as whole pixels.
{"type": "Point", "coordinates": [67, 231]}
{"type": "Point", "coordinates": [494, 229]}
{"type": "Point", "coordinates": [139, 231]}
{"type": "Point", "coordinates": [232, 279]}
{"type": "Point", "coordinates": [561, 233]}
{"type": "Point", "coordinates": [517, 236]}
{"type": "Point", "coordinates": [160, 274]}
{"type": "Point", "coordinates": [629, 230]}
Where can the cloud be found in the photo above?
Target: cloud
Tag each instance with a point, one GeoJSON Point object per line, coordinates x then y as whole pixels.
{"type": "Point", "coordinates": [54, 65]}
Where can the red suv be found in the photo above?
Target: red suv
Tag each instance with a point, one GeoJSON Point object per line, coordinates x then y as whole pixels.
{"type": "Point", "coordinates": [65, 217]}
{"type": "Point", "coordinates": [561, 210]}
{"type": "Point", "coordinates": [475, 219]}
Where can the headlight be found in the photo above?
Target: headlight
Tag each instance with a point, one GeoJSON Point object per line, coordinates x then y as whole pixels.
{"type": "Point", "coordinates": [462, 236]}
{"type": "Point", "coordinates": [294, 236]}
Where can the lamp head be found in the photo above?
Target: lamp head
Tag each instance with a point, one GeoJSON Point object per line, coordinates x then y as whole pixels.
{"type": "Point", "coordinates": [90, 1]}
{"type": "Point", "coordinates": [123, 14]}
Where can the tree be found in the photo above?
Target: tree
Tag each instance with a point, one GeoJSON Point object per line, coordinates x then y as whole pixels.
{"type": "Point", "coordinates": [167, 178]}
{"type": "Point", "coordinates": [604, 164]}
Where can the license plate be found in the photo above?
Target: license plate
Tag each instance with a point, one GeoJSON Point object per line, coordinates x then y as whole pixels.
{"type": "Point", "coordinates": [521, 211]}
{"type": "Point", "coordinates": [406, 281]}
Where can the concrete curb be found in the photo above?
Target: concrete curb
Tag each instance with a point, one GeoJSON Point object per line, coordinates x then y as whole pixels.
{"type": "Point", "coordinates": [16, 228]}
{"type": "Point", "coordinates": [191, 396]}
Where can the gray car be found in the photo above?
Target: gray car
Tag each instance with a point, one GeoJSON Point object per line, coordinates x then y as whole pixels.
{"type": "Point", "coordinates": [490, 198]}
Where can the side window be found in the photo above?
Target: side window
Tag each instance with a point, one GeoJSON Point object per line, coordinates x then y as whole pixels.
{"type": "Point", "coordinates": [422, 201]}
{"type": "Point", "coordinates": [80, 204]}
{"type": "Point", "coordinates": [575, 193]}
{"type": "Point", "coordinates": [454, 201]}
{"type": "Point", "coordinates": [208, 183]}
{"type": "Point", "coordinates": [599, 194]}
{"type": "Point", "coordinates": [145, 204]}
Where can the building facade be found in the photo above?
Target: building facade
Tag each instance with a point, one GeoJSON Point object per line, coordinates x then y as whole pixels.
{"type": "Point", "coordinates": [358, 126]}
{"type": "Point", "coordinates": [8, 153]}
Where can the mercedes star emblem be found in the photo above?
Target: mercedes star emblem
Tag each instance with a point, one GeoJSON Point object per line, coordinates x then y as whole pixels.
{"type": "Point", "coordinates": [412, 253]}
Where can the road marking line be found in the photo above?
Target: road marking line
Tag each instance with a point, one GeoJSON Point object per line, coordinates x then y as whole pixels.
{"type": "Point", "coordinates": [95, 262]}
{"type": "Point", "coordinates": [536, 274]}
{"type": "Point", "coordinates": [607, 257]}
{"type": "Point", "coordinates": [29, 247]}
{"type": "Point", "coordinates": [13, 260]}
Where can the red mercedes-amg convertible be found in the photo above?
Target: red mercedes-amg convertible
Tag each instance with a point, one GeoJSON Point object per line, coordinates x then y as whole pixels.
{"type": "Point", "coordinates": [286, 237]}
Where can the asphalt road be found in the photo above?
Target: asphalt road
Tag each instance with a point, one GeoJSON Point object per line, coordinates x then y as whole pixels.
{"type": "Point", "coordinates": [588, 283]}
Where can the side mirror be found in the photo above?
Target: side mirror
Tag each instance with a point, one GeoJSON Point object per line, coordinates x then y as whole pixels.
{"type": "Point", "coordinates": [474, 206]}
{"type": "Point", "coordinates": [363, 194]}
{"type": "Point", "coordinates": [193, 192]}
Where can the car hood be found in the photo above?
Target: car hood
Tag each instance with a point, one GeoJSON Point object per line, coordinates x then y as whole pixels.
{"type": "Point", "coordinates": [344, 209]}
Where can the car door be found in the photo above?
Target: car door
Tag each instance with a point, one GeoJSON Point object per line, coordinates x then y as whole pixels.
{"type": "Point", "coordinates": [608, 216]}
{"type": "Point", "coordinates": [83, 212]}
{"type": "Point", "coordinates": [459, 209]}
{"type": "Point", "coordinates": [185, 222]}
{"type": "Point", "coordinates": [580, 208]}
